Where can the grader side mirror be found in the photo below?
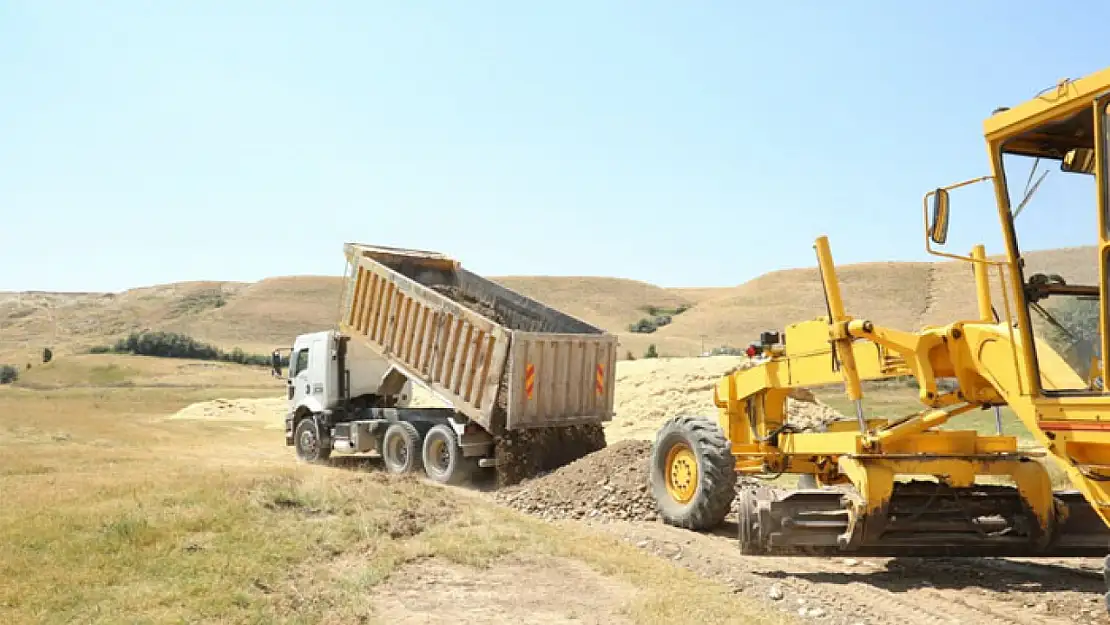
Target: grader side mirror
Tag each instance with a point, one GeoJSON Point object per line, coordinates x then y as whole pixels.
{"type": "Point", "coordinates": [938, 226]}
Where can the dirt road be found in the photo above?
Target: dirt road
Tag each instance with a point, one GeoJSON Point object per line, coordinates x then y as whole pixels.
{"type": "Point", "coordinates": [882, 591]}
{"type": "Point", "coordinates": [608, 491]}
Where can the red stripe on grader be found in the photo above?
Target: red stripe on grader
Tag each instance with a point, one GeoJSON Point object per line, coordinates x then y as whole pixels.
{"type": "Point", "coordinates": [1074, 426]}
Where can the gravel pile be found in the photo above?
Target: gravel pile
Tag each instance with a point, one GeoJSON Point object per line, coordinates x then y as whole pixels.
{"type": "Point", "coordinates": [523, 454]}
{"type": "Point", "coordinates": [611, 483]}
{"type": "Point", "coordinates": [486, 309]}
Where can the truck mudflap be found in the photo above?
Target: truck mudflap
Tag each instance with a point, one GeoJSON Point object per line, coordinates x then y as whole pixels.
{"type": "Point", "coordinates": [527, 453]}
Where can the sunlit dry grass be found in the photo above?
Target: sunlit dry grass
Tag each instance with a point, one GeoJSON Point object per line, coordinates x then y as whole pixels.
{"type": "Point", "coordinates": [112, 513]}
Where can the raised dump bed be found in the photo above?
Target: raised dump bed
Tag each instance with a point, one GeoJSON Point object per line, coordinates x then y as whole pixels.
{"type": "Point", "coordinates": [506, 361]}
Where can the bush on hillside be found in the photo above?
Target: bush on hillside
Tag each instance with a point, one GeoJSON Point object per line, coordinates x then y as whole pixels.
{"type": "Point", "coordinates": [174, 345]}
{"type": "Point", "coordinates": [658, 317]}
{"type": "Point", "coordinates": [8, 374]}
{"type": "Point", "coordinates": [651, 352]}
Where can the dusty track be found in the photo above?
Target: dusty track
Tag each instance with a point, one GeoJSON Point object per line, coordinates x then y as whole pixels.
{"type": "Point", "coordinates": [607, 491]}
{"type": "Point", "coordinates": [881, 591]}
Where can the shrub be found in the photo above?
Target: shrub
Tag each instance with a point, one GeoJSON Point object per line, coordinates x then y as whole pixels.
{"type": "Point", "coordinates": [657, 318]}
{"type": "Point", "coordinates": [8, 374]}
{"type": "Point", "coordinates": [651, 352]}
{"type": "Point", "coordinates": [174, 345]}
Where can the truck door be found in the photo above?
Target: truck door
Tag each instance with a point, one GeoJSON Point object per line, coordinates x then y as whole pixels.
{"type": "Point", "coordinates": [299, 388]}
{"type": "Point", "coordinates": [317, 374]}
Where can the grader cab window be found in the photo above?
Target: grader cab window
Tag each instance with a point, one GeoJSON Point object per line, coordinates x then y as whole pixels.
{"type": "Point", "coordinates": [1054, 212]}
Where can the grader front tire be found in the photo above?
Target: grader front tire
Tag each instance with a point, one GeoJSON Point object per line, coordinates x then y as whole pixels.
{"type": "Point", "coordinates": [693, 474]}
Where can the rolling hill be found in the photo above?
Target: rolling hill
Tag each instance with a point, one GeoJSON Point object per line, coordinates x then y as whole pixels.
{"type": "Point", "coordinates": [262, 315]}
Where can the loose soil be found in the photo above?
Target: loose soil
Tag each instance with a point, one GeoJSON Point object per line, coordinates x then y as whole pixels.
{"type": "Point", "coordinates": [521, 589]}
{"type": "Point", "coordinates": [612, 483]}
{"type": "Point", "coordinates": [266, 410]}
{"type": "Point", "coordinates": [607, 490]}
{"type": "Point", "coordinates": [524, 454]}
{"type": "Point", "coordinates": [886, 591]}
{"type": "Point", "coordinates": [459, 296]}
{"type": "Point", "coordinates": [652, 390]}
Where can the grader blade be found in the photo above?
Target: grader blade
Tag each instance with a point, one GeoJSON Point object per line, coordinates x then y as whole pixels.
{"type": "Point", "coordinates": [922, 519]}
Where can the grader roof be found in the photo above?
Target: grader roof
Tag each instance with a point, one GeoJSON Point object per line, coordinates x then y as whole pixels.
{"type": "Point", "coordinates": [1051, 123]}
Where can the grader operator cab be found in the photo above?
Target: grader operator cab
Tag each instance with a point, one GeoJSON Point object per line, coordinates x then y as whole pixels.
{"type": "Point", "coordinates": [919, 484]}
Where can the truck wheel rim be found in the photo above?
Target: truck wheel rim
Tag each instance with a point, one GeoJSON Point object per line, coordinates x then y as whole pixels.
{"type": "Point", "coordinates": [398, 449]}
{"type": "Point", "coordinates": [681, 472]}
{"type": "Point", "coordinates": [308, 443]}
{"type": "Point", "coordinates": [439, 454]}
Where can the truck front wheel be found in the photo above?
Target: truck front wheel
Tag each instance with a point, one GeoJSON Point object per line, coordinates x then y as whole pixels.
{"type": "Point", "coordinates": [401, 448]}
{"type": "Point", "coordinates": [443, 458]}
{"type": "Point", "coordinates": [310, 444]}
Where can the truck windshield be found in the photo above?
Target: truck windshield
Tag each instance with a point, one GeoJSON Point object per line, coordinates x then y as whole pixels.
{"type": "Point", "coordinates": [1055, 218]}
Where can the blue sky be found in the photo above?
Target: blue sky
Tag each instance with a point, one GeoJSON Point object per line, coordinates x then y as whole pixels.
{"type": "Point", "coordinates": [685, 144]}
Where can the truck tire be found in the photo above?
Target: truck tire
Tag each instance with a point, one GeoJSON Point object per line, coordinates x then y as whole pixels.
{"type": "Point", "coordinates": [310, 443]}
{"type": "Point", "coordinates": [443, 458]}
{"type": "Point", "coordinates": [692, 473]}
{"type": "Point", "coordinates": [401, 448]}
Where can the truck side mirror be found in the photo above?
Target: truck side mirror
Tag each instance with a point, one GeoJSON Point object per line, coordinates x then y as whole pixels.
{"type": "Point", "coordinates": [938, 228]}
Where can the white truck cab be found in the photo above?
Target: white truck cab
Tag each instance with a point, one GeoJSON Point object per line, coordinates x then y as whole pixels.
{"type": "Point", "coordinates": [343, 397]}
{"type": "Point", "coordinates": [320, 376]}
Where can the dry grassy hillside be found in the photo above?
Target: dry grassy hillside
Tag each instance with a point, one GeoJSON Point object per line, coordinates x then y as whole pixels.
{"type": "Point", "coordinates": [259, 316]}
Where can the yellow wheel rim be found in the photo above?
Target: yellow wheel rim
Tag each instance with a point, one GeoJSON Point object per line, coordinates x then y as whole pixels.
{"type": "Point", "coordinates": [682, 473]}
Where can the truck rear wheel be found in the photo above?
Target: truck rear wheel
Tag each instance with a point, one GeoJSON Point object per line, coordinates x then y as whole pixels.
{"type": "Point", "coordinates": [443, 458]}
{"type": "Point", "coordinates": [310, 443]}
{"type": "Point", "coordinates": [693, 473]}
{"type": "Point", "coordinates": [401, 448]}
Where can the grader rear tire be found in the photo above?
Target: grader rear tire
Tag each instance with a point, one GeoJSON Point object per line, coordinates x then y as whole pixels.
{"type": "Point", "coordinates": [693, 473]}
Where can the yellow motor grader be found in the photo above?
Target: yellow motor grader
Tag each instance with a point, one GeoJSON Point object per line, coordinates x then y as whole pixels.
{"type": "Point", "coordinates": [916, 484]}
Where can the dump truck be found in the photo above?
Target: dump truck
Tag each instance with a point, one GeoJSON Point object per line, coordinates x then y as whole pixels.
{"type": "Point", "coordinates": [919, 483]}
{"type": "Point", "coordinates": [523, 388]}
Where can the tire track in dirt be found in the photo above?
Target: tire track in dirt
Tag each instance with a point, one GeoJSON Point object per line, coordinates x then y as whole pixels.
{"type": "Point", "coordinates": [882, 591]}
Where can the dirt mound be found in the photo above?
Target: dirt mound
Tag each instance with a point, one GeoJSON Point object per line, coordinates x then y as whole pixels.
{"type": "Point", "coordinates": [524, 454]}
{"type": "Point", "coordinates": [611, 483]}
{"type": "Point", "coordinates": [650, 391]}
{"type": "Point", "coordinates": [808, 413]}
{"type": "Point", "coordinates": [267, 410]}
